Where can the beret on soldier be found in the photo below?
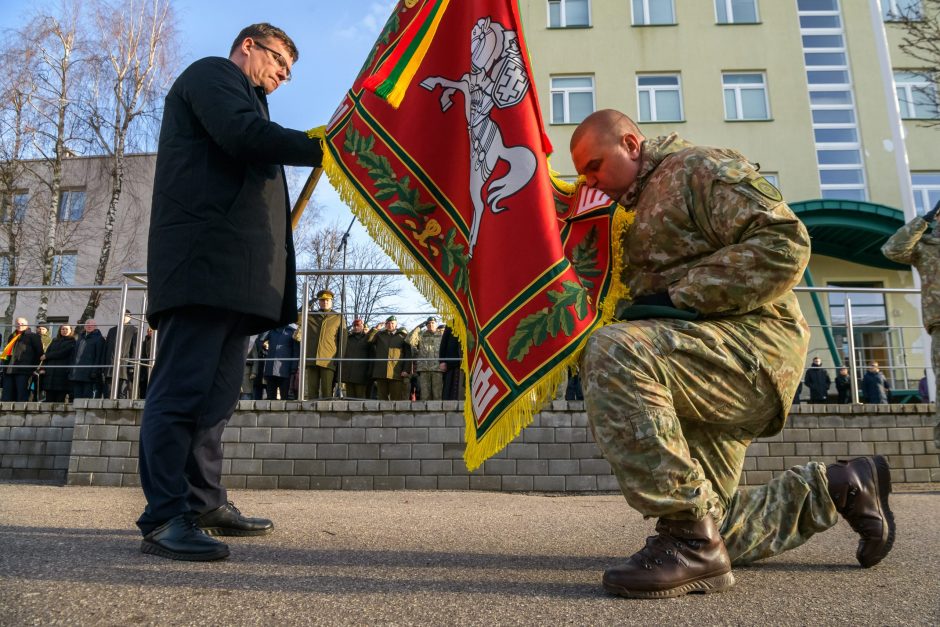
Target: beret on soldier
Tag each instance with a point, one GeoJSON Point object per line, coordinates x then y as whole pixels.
{"type": "Point", "coordinates": [391, 319]}
{"type": "Point", "coordinates": [431, 319]}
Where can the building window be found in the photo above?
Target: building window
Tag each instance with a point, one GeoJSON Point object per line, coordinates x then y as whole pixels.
{"type": "Point", "coordinates": [894, 10]}
{"type": "Point", "coordinates": [649, 12]}
{"type": "Point", "coordinates": [736, 11]}
{"type": "Point", "coordinates": [773, 178]}
{"type": "Point", "coordinates": [63, 268]}
{"type": "Point", "coordinates": [659, 98]}
{"type": "Point", "coordinates": [15, 207]}
{"type": "Point", "coordinates": [926, 190]}
{"type": "Point", "coordinates": [745, 96]}
{"type": "Point", "coordinates": [72, 205]}
{"type": "Point", "coordinates": [569, 13]}
{"type": "Point", "coordinates": [917, 95]}
{"type": "Point", "coordinates": [572, 98]}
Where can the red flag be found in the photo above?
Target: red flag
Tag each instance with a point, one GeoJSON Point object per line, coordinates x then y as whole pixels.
{"type": "Point", "coordinates": [454, 184]}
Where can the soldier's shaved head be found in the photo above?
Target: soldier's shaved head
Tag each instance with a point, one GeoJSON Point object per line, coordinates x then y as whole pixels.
{"type": "Point", "coordinates": [606, 149]}
{"type": "Point", "coordinates": [605, 125]}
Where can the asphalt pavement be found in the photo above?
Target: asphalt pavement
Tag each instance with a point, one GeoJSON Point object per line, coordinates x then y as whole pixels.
{"type": "Point", "coordinates": [70, 555]}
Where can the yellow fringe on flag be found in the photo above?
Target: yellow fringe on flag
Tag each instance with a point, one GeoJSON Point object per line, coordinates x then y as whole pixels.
{"type": "Point", "coordinates": [520, 412]}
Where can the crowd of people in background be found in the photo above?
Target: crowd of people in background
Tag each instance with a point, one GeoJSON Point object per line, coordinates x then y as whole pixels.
{"type": "Point", "coordinates": [873, 386]}
{"type": "Point", "coordinates": [77, 362]}
{"type": "Point", "coordinates": [386, 362]}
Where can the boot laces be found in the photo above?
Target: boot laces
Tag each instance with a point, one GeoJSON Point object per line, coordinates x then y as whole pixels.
{"type": "Point", "coordinates": [661, 547]}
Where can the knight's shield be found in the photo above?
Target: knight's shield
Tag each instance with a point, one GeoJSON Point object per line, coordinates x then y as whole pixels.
{"type": "Point", "coordinates": [511, 81]}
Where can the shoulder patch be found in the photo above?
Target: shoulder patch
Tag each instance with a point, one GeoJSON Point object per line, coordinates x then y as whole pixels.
{"type": "Point", "coordinates": [766, 188]}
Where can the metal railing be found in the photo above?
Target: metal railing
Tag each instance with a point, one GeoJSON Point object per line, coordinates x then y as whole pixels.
{"type": "Point", "coordinates": [138, 362]}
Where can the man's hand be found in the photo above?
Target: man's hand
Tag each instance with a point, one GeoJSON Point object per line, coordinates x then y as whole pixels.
{"type": "Point", "coordinates": [931, 215]}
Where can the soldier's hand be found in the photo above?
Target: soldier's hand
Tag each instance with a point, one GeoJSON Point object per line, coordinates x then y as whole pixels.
{"type": "Point", "coordinates": [931, 215]}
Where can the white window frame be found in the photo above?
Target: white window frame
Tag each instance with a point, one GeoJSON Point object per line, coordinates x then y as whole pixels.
{"type": "Point", "coordinates": [889, 9]}
{"type": "Point", "coordinates": [565, 91]}
{"type": "Point", "coordinates": [645, 18]}
{"type": "Point", "coordinates": [729, 11]}
{"type": "Point", "coordinates": [653, 89]}
{"type": "Point", "coordinates": [11, 214]}
{"type": "Point", "coordinates": [772, 177]}
{"type": "Point", "coordinates": [910, 87]}
{"type": "Point", "coordinates": [57, 268]}
{"type": "Point", "coordinates": [62, 196]}
{"type": "Point", "coordinates": [738, 100]}
{"type": "Point", "coordinates": [923, 191]}
{"type": "Point", "coordinates": [563, 14]}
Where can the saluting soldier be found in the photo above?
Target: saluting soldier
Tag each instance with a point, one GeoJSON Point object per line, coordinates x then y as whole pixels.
{"type": "Point", "coordinates": [425, 341]}
{"type": "Point", "coordinates": [389, 370]}
{"type": "Point", "coordinates": [326, 335]}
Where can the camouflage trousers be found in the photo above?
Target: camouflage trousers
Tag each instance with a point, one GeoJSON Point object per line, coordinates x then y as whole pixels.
{"type": "Point", "coordinates": [432, 385]}
{"type": "Point", "coordinates": [674, 409]}
{"type": "Point", "coordinates": [935, 361]}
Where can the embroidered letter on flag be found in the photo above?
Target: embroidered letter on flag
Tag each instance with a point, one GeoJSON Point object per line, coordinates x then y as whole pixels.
{"type": "Point", "coordinates": [440, 151]}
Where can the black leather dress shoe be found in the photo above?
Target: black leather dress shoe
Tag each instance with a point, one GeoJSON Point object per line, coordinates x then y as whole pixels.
{"type": "Point", "coordinates": [180, 539]}
{"type": "Point", "coordinates": [228, 521]}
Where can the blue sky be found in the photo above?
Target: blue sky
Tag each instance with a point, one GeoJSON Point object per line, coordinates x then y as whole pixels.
{"type": "Point", "coordinates": [333, 38]}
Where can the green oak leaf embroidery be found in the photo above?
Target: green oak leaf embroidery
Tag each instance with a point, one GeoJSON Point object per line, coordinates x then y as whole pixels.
{"type": "Point", "coordinates": [535, 328]}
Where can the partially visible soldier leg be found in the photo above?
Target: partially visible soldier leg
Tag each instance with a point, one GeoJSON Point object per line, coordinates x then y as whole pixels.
{"type": "Point", "coordinates": [312, 383]}
{"type": "Point", "coordinates": [382, 387]}
{"type": "Point", "coordinates": [935, 357]}
{"type": "Point", "coordinates": [356, 390]}
{"type": "Point", "coordinates": [326, 382]}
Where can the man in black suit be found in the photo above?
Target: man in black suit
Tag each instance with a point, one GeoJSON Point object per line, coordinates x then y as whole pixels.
{"type": "Point", "coordinates": [220, 269]}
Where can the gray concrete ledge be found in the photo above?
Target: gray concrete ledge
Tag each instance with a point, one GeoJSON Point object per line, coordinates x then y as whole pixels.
{"type": "Point", "coordinates": [372, 445]}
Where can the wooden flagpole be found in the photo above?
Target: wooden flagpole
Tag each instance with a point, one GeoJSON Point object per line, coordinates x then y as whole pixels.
{"type": "Point", "coordinates": [304, 197]}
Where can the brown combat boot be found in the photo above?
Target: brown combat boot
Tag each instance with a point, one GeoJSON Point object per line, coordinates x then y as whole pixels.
{"type": "Point", "coordinates": [859, 488]}
{"type": "Point", "coordinates": [687, 556]}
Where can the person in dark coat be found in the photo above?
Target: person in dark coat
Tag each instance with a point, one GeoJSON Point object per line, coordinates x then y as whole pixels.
{"type": "Point", "coordinates": [282, 361]}
{"type": "Point", "coordinates": [844, 385]}
{"type": "Point", "coordinates": [220, 268]}
{"type": "Point", "coordinates": [128, 344]}
{"type": "Point", "coordinates": [146, 349]}
{"type": "Point", "coordinates": [875, 386]}
{"type": "Point", "coordinates": [255, 365]}
{"type": "Point", "coordinates": [87, 372]}
{"type": "Point", "coordinates": [19, 360]}
{"type": "Point", "coordinates": [818, 382]}
{"type": "Point", "coordinates": [450, 356]}
{"type": "Point", "coordinates": [56, 363]}
{"type": "Point", "coordinates": [356, 368]}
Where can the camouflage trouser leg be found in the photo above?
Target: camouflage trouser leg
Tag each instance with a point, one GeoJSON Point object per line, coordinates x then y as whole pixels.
{"type": "Point", "coordinates": [763, 521]}
{"type": "Point", "coordinates": [432, 385]}
{"type": "Point", "coordinates": [673, 406]}
{"type": "Point", "coordinates": [935, 361]}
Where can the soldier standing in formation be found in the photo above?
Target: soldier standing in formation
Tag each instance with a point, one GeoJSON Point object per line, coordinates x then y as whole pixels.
{"type": "Point", "coordinates": [326, 334]}
{"type": "Point", "coordinates": [391, 368]}
{"type": "Point", "coordinates": [356, 366]}
{"type": "Point", "coordinates": [707, 357]}
{"type": "Point", "coordinates": [426, 345]}
{"type": "Point", "coordinates": [914, 245]}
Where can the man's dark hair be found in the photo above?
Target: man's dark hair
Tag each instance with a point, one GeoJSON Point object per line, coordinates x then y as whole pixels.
{"type": "Point", "coordinates": [265, 32]}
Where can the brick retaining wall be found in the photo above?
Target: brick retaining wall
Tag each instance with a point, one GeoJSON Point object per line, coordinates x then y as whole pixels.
{"type": "Point", "coordinates": [368, 445]}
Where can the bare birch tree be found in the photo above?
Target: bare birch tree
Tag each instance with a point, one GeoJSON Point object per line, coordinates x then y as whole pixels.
{"type": "Point", "coordinates": [133, 66]}
{"type": "Point", "coordinates": [54, 39]}
{"type": "Point", "coordinates": [16, 86]}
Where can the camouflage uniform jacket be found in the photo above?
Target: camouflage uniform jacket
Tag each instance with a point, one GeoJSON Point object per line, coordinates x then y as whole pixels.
{"type": "Point", "coordinates": [427, 348]}
{"type": "Point", "coordinates": [911, 245]}
{"type": "Point", "coordinates": [716, 235]}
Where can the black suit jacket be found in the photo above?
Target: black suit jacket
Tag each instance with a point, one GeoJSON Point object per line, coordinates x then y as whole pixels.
{"type": "Point", "coordinates": [220, 219]}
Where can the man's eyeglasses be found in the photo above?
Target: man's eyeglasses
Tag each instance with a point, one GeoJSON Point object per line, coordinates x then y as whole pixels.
{"type": "Point", "coordinates": [278, 58]}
